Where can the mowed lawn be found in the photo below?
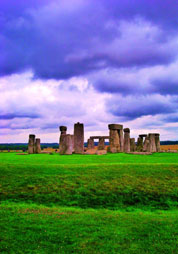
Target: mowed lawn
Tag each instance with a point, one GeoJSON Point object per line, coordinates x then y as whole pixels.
{"type": "Point", "coordinates": [114, 203]}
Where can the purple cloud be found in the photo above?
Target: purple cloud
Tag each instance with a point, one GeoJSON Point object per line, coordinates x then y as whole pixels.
{"type": "Point", "coordinates": [10, 116]}
{"type": "Point", "coordinates": [134, 107]}
{"type": "Point", "coordinates": [91, 61]}
{"type": "Point", "coordinates": [57, 40]}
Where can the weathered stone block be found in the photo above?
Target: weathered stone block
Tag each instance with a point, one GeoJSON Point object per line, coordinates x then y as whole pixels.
{"type": "Point", "coordinates": [90, 143]}
{"type": "Point", "coordinates": [79, 138]}
{"type": "Point", "coordinates": [132, 145]}
{"type": "Point", "coordinates": [37, 146]}
{"type": "Point", "coordinates": [31, 144]}
{"type": "Point", "coordinates": [115, 127]}
{"type": "Point", "coordinates": [63, 129]}
{"type": "Point", "coordinates": [126, 140]}
{"type": "Point", "coordinates": [101, 144]}
{"type": "Point", "coordinates": [66, 146]}
{"type": "Point", "coordinates": [140, 144]}
{"type": "Point", "coordinates": [157, 141]}
{"type": "Point", "coordinates": [152, 142]}
{"type": "Point", "coordinates": [101, 152]}
{"type": "Point", "coordinates": [114, 141]}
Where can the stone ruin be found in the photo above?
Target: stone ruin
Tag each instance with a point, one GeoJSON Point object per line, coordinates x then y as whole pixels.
{"type": "Point", "coordinates": [119, 141]}
{"type": "Point", "coordinates": [72, 143]}
{"type": "Point", "coordinates": [34, 144]}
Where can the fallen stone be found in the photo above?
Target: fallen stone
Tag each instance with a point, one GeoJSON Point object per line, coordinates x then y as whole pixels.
{"type": "Point", "coordinates": [101, 152]}
{"type": "Point", "coordinates": [140, 153]}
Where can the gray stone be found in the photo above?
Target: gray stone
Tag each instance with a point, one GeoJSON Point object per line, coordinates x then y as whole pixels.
{"type": "Point", "coordinates": [101, 144]}
{"type": "Point", "coordinates": [66, 146]}
{"type": "Point", "coordinates": [157, 141]}
{"type": "Point", "coordinates": [152, 142]}
{"type": "Point", "coordinates": [121, 139]}
{"type": "Point", "coordinates": [63, 129]}
{"type": "Point", "coordinates": [126, 140]}
{"type": "Point", "coordinates": [115, 127]}
{"type": "Point", "coordinates": [146, 145]}
{"type": "Point", "coordinates": [31, 144]}
{"type": "Point", "coordinates": [114, 141]}
{"type": "Point", "coordinates": [62, 140]}
{"type": "Point", "coordinates": [90, 143]}
{"type": "Point", "coordinates": [140, 144]}
{"type": "Point", "coordinates": [98, 137]}
{"type": "Point", "coordinates": [101, 152]}
{"type": "Point", "coordinates": [37, 146]}
{"type": "Point", "coordinates": [79, 138]}
{"type": "Point", "coordinates": [116, 138]}
{"type": "Point", "coordinates": [132, 145]}
{"type": "Point", "coordinates": [143, 135]}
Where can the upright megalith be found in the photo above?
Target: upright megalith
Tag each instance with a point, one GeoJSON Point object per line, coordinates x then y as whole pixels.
{"type": "Point", "coordinates": [152, 142]}
{"type": "Point", "coordinates": [66, 142]}
{"type": "Point", "coordinates": [132, 145]}
{"type": "Point", "coordinates": [146, 144]}
{"type": "Point", "coordinates": [157, 141]}
{"type": "Point", "coordinates": [154, 139]}
{"type": "Point", "coordinates": [37, 146]}
{"type": "Point", "coordinates": [67, 145]}
{"type": "Point", "coordinates": [79, 138]}
{"type": "Point", "coordinates": [63, 130]}
{"type": "Point", "coordinates": [140, 142]}
{"type": "Point", "coordinates": [90, 143]}
{"type": "Point", "coordinates": [101, 144]}
{"type": "Point", "coordinates": [126, 140]}
{"type": "Point", "coordinates": [116, 139]}
{"type": "Point", "coordinates": [31, 144]}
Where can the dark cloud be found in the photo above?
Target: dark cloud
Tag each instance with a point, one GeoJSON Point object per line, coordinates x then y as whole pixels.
{"type": "Point", "coordinates": [165, 86]}
{"type": "Point", "coordinates": [133, 107]}
{"type": "Point", "coordinates": [10, 116]}
{"type": "Point", "coordinates": [57, 39]}
{"type": "Point", "coordinates": [170, 119]}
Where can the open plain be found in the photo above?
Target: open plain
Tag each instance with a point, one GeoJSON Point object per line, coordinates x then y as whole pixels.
{"type": "Point", "coordinates": [114, 203]}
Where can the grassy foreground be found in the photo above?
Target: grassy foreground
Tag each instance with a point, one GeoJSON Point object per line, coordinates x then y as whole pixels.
{"type": "Point", "coordinates": [115, 203]}
{"type": "Point", "coordinates": [40, 229]}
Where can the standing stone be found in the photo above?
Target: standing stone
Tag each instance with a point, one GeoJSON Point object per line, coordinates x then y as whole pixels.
{"type": "Point", "coordinates": [116, 142]}
{"type": "Point", "coordinates": [146, 146]}
{"type": "Point", "coordinates": [37, 146]}
{"type": "Point", "coordinates": [140, 144]}
{"type": "Point", "coordinates": [121, 137]}
{"type": "Point", "coordinates": [157, 141]}
{"type": "Point", "coordinates": [63, 130]}
{"type": "Point", "coordinates": [101, 145]}
{"type": "Point", "coordinates": [79, 138]}
{"type": "Point", "coordinates": [152, 142]}
{"type": "Point", "coordinates": [72, 137]}
{"type": "Point", "coordinates": [67, 145]}
{"type": "Point", "coordinates": [126, 140]}
{"type": "Point", "coordinates": [90, 143]}
{"type": "Point", "coordinates": [132, 145]}
{"type": "Point", "coordinates": [31, 144]}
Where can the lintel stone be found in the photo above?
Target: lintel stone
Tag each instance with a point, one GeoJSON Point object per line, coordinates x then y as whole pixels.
{"type": "Point", "coordinates": [115, 127]}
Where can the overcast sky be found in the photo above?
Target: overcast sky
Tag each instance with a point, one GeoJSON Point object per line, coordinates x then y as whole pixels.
{"type": "Point", "coordinates": [89, 61]}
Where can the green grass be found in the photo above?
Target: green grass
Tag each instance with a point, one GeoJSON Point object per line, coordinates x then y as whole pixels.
{"type": "Point", "coordinates": [114, 203]}
{"type": "Point", "coordinates": [40, 229]}
{"type": "Point", "coordinates": [59, 180]}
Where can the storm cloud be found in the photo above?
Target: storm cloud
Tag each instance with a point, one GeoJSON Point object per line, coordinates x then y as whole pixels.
{"type": "Point", "coordinates": [63, 61]}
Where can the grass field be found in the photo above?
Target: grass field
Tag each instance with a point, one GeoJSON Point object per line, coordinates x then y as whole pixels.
{"type": "Point", "coordinates": [114, 203]}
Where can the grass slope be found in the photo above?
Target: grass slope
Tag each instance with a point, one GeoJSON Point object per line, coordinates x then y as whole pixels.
{"type": "Point", "coordinates": [91, 181]}
{"type": "Point", "coordinates": [114, 203]}
{"type": "Point", "coordinates": [40, 229]}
